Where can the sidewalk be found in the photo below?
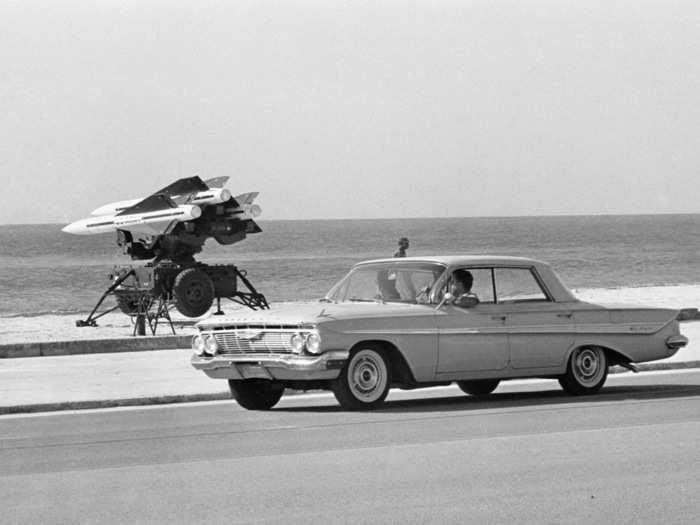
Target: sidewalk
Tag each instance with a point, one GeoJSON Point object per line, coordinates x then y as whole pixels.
{"type": "Point", "coordinates": [160, 376]}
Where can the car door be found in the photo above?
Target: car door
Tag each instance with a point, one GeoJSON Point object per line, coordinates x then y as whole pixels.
{"type": "Point", "coordinates": [540, 331]}
{"type": "Point", "coordinates": [472, 339]}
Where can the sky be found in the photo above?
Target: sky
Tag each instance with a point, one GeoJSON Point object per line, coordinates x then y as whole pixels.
{"type": "Point", "coordinates": [351, 109]}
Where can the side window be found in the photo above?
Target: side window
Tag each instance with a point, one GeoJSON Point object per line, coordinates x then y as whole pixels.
{"type": "Point", "coordinates": [517, 285]}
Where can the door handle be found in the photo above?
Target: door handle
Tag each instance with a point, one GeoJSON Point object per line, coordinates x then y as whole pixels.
{"type": "Point", "coordinates": [567, 316]}
{"type": "Point", "coordinates": [499, 317]}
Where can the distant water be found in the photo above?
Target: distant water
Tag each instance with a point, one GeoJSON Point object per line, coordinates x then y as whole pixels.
{"type": "Point", "coordinates": [43, 270]}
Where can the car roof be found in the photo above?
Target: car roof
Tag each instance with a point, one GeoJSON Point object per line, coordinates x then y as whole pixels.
{"type": "Point", "coordinates": [452, 260]}
{"type": "Point", "coordinates": [557, 289]}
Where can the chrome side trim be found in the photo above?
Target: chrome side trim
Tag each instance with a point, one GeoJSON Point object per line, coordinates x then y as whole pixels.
{"type": "Point", "coordinates": [606, 328]}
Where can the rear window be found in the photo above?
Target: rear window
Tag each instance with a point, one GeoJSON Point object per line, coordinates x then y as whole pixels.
{"type": "Point", "coordinates": [518, 285]}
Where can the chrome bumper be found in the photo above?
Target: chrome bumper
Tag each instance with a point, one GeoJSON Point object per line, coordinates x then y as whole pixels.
{"type": "Point", "coordinates": [290, 367]}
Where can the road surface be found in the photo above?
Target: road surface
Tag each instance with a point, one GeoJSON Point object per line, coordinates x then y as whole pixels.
{"type": "Point", "coordinates": [528, 453]}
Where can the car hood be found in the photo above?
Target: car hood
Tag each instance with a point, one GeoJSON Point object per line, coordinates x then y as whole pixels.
{"type": "Point", "coordinates": [314, 313]}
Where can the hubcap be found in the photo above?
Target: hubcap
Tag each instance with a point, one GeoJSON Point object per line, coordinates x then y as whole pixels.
{"type": "Point", "coordinates": [587, 366]}
{"type": "Point", "coordinates": [367, 376]}
{"type": "Point", "coordinates": [194, 293]}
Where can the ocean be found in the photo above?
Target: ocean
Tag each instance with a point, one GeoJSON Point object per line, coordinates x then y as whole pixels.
{"type": "Point", "coordinates": [45, 271]}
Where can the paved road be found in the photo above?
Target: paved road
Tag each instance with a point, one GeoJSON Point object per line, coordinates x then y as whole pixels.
{"type": "Point", "coordinates": [528, 454]}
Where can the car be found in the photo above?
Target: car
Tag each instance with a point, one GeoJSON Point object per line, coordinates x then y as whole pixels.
{"type": "Point", "coordinates": [399, 323]}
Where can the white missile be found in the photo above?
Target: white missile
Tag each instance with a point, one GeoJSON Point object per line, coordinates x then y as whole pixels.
{"type": "Point", "coordinates": [210, 196]}
{"type": "Point", "coordinates": [152, 222]}
{"type": "Point", "coordinates": [187, 211]}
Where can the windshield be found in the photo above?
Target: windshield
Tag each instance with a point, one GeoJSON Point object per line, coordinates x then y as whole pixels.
{"type": "Point", "coordinates": [407, 282]}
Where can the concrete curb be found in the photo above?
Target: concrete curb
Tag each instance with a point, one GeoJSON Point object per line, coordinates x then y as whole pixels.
{"type": "Point", "coordinates": [192, 398]}
{"type": "Point", "coordinates": [112, 403]}
{"type": "Point", "coordinates": [94, 346]}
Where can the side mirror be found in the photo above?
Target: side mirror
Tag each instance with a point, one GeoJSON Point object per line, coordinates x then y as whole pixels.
{"type": "Point", "coordinates": [447, 298]}
{"type": "Point", "coordinates": [467, 300]}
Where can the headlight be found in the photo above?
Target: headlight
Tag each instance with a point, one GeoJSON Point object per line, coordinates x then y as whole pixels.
{"type": "Point", "coordinates": [297, 343]}
{"type": "Point", "coordinates": [198, 344]}
{"type": "Point", "coordinates": [313, 342]}
{"type": "Point", "coordinates": [210, 344]}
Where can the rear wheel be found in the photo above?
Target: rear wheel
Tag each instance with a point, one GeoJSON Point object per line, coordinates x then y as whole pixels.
{"type": "Point", "coordinates": [193, 292]}
{"type": "Point", "coordinates": [586, 372]}
{"type": "Point", "coordinates": [364, 381]}
{"type": "Point", "coordinates": [256, 394]}
{"type": "Point", "coordinates": [479, 387]}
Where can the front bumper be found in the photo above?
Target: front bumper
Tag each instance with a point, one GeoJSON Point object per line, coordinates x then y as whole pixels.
{"type": "Point", "coordinates": [290, 367]}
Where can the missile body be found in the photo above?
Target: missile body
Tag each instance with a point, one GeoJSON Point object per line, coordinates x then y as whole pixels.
{"type": "Point", "coordinates": [148, 222]}
{"type": "Point", "coordinates": [211, 196]}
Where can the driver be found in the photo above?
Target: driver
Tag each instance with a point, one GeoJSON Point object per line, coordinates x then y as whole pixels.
{"type": "Point", "coordinates": [462, 281]}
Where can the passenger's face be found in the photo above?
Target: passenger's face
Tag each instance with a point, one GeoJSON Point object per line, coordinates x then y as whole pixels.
{"type": "Point", "coordinates": [458, 288]}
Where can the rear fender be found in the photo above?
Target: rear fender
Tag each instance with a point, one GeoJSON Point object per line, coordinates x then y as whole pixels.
{"type": "Point", "coordinates": [615, 355]}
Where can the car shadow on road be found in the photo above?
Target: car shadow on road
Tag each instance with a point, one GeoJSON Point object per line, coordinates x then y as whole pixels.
{"type": "Point", "coordinates": [511, 399]}
{"type": "Point", "coordinates": [543, 397]}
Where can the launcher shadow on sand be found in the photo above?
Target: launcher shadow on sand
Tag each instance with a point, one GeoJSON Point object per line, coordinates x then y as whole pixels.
{"type": "Point", "coordinates": [169, 228]}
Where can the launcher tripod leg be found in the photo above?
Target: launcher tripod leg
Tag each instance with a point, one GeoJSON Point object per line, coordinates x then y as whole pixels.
{"type": "Point", "coordinates": [219, 311]}
{"type": "Point", "coordinates": [92, 318]}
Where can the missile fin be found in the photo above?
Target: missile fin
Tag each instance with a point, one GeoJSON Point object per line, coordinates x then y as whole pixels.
{"type": "Point", "coordinates": [153, 203]}
{"type": "Point", "coordinates": [184, 186]}
{"type": "Point", "coordinates": [217, 182]}
{"type": "Point", "coordinates": [246, 198]}
{"type": "Point", "coordinates": [252, 227]}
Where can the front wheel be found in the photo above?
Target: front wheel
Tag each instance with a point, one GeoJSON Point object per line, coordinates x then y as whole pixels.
{"type": "Point", "coordinates": [479, 387]}
{"type": "Point", "coordinates": [256, 394]}
{"type": "Point", "coordinates": [364, 381]}
{"type": "Point", "coordinates": [586, 372]}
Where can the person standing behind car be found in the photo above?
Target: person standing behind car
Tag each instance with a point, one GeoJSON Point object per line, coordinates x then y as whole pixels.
{"type": "Point", "coordinates": [403, 246]}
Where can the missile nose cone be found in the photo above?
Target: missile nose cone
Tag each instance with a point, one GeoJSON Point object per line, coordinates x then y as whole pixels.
{"type": "Point", "coordinates": [76, 228]}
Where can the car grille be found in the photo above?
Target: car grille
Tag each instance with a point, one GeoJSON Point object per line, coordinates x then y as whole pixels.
{"type": "Point", "coordinates": [247, 342]}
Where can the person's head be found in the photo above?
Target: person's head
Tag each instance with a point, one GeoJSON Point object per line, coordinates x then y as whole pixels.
{"type": "Point", "coordinates": [403, 243]}
{"type": "Point", "coordinates": [462, 281]}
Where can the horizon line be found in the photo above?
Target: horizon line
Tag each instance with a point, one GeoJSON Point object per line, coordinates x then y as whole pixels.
{"type": "Point", "coordinates": [564, 215]}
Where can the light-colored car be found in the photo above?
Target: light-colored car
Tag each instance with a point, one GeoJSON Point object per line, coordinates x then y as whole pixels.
{"type": "Point", "coordinates": [399, 323]}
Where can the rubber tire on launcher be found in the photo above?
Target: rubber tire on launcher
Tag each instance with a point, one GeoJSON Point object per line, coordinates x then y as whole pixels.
{"type": "Point", "coordinates": [586, 371]}
{"type": "Point", "coordinates": [366, 374]}
{"type": "Point", "coordinates": [256, 394]}
{"type": "Point", "coordinates": [478, 387]}
{"type": "Point", "coordinates": [193, 292]}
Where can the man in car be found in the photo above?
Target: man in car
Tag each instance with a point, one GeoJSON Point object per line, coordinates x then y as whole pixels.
{"type": "Point", "coordinates": [462, 281]}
